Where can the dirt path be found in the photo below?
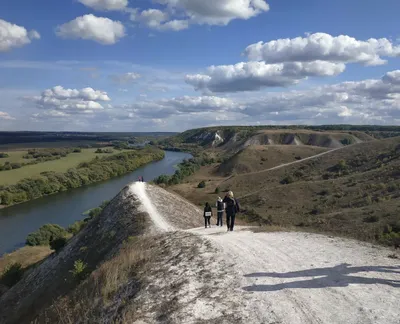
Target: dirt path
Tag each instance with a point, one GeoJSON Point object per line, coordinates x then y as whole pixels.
{"type": "Point", "coordinates": [299, 277]}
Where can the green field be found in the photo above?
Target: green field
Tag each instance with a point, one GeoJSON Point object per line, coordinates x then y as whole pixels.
{"type": "Point", "coordinates": [11, 177]}
{"type": "Point", "coordinates": [15, 157]}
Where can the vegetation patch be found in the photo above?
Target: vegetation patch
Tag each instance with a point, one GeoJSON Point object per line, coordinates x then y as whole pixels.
{"type": "Point", "coordinates": [99, 169]}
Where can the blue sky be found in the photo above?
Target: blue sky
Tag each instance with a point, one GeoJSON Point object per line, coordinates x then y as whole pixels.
{"type": "Point", "coordinates": [147, 65]}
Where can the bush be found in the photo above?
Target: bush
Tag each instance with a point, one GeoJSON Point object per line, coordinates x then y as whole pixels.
{"type": "Point", "coordinates": [287, 180]}
{"type": "Point", "coordinates": [77, 150]}
{"type": "Point", "coordinates": [217, 190]}
{"type": "Point", "coordinates": [371, 219]}
{"type": "Point", "coordinates": [45, 235]}
{"type": "Point", "coordinates": [76, 227]}
{"type": "Point", "coordinates": [4, 155]}
{"type": "Point", "coordinates": [95, 212]}
{"type": "Point", "coordinates": [58, 243]}
{"type": "Point", "coordinates": [12, 274]}
{"type": "Point", "coordinates": [202, 184]}
{"type": "Point", "coordinates": [80, 270]}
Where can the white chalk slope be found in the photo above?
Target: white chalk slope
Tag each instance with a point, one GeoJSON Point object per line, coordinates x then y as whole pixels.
{"type": "Point", "coordinates": [298, 277]}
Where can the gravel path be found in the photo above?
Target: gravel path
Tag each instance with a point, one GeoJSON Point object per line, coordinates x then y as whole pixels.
{"type": "Point", "coordinates": [287, 277]}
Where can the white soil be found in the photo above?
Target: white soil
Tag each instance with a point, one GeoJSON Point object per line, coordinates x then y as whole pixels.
{"type": "Point", "coordinates": [287, 277]}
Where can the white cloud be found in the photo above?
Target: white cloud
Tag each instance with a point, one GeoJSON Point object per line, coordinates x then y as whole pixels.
{"type": "Point", "coordinates": [159, 20]}
{"type": "Point", "coordinates": [5, 116]}
{"type": "Point", "coordinates": [126, 77]}
{"type": "Point", "coordinates": [13, 36]}
{"type": "Point", "coordinates": [89, 27]}
{"type": "Point", "coordinates": [321, 46]}
{"type": "Point", "coordinates": [367, 101]}
{"type": "Point", "coordinates": [105, 4]}
{"type": "Point", "coordinates": [180, 105]}
{"type": "Point", "coordinates": [220, 12]}
{"type": "Point", "coordinates": [58, 92]}
{"type": "Point", "coordinates": [392, 77]}
{"type": "Point", "coordinates": [208, 12]}
{"type": "Point", "coordinates": [60, 102]}
{"type": "Point", "coordinates": [252, 76]}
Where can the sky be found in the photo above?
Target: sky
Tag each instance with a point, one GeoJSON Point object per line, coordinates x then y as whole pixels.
{"type": "Point", "coordinates": [172, 65]}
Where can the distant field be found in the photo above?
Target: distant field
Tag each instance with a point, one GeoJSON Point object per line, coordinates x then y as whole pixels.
{"type": "Point", "coordinates": [72, 160]}
{"type": "Point", "coordinates": [21, 146]}
{"type": "Point", "coordinates": [15, 157]}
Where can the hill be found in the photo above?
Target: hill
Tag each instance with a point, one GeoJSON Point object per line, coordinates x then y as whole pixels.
{"type": "Point", "coordinates": [235, 138]}
{"type": "Point", "coordinates": [260, 157]}
{"type": "Point", "coordinates": [353, 191]}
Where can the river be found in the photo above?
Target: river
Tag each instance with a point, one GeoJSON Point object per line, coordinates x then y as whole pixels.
{"type": "Point", "coordinates": [16, 222]}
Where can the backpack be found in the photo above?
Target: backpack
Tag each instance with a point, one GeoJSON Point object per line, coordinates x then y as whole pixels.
{"type": "Point", "coordinates": [232, 205]}
{"type": "Point", "coordinates": [220, 206]}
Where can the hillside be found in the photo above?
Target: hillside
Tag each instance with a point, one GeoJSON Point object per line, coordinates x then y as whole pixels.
{"type": "Point", "coordinates": [353, 191]}
{"type": "Point", "coordinates": [259, 157]}
{"type": "Point", "coordinates": [235, 138]}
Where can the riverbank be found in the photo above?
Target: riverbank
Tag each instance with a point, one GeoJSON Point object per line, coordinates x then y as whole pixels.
{"type": "Point", "coordinates": [66, 207]}
{"type": "Point", "coordinates": [99, 169]}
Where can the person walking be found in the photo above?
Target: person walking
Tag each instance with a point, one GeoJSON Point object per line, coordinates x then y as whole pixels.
{"type": "Point", "coordinates": [231, 208]}
{"type": "Point", "coordinates": [207, 215]}
{"type": "Point", "coordinates": [220, 210]}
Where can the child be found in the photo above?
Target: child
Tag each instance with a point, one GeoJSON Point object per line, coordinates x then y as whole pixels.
{"type": "Point", "coordinates": [207, 215]}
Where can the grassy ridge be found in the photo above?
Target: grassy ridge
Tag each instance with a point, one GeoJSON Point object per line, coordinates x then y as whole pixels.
{"type": "Point", "coordinates": [98, 169]}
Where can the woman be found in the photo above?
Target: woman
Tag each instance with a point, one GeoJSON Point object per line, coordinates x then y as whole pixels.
{"type": "Point", "coordinates": [207, 215]}
{"type": "Point", "coordinates": [232, 207]}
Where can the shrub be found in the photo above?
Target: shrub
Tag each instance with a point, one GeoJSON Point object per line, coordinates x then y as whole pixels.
{"type": "Point", "coordinates": [297, 158]}
{"type": "Point", "coordinates": [79, 270]}
{"type": "Point", "coordinates": [287, 180]}
{"type": "Point", "coordinates": [217, 190]}
{"type": "Point", "coordinates": [4, 155]}
{"type": "Point", "coordinates": [95, 212]}
{"type": "Point", "coordinates": [371, 219]}
{"type": "Point", "coordinates": [77, 150]}
{"type": "Point", "coordinates": [12, 274]}
{"type": "Point", "coordinates": [76, 227]}
{"type": "Point", "coordinates": [45, 235]}
{"type": "Point", "coordinates": [202, 184]}
{"type": "Point", "coordinates": [58, 243]}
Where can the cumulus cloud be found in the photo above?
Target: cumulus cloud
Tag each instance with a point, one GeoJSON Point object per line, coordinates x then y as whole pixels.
{"type": "Point", "coordinates": [321, 46]}
{"type": "Point", "coordinates": [252, 76]}
{"type": "Point", "coordinates": [159, 20]}
{"type": "Point", "coordinates": [13, 36]}
{"type": "Point", "coordinates": [126, 77]}
{"type": "Point", "coordinates": [61, 102]}
{"type": "Point", "coordinates": [5, 116]}
{"type": "Point", "coordinates": [208, 12]}
{"type": "Point", "coordinates": [89, 27]}
{"type": "Point", "coordinates": [366, 101]}
{"type": "Point", "coordinates": [105, 4]}
{"type": "Point", "coordinates": [213, 12]}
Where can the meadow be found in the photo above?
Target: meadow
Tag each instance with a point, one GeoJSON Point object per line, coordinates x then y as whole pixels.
{"type": "Point", "coordinates": [11, 177]}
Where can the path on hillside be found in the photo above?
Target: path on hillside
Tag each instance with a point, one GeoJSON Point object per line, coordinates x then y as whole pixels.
{"type": "Point", "coordinates": [302, 278]}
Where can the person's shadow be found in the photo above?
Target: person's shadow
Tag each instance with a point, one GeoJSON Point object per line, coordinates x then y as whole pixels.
{"type": "Point", "coordinates": [338, 276]}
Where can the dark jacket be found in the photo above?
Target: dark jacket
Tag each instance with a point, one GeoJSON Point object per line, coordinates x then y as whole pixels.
{"type": "Point", "coordinates": [232, 205]}
{"type": "Point", "coordinates": [207, 209]}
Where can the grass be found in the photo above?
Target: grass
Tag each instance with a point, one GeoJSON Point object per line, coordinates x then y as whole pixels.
{"type": "Point", "coordinates": [11, 177]}
{"type": "Point", "coordinates": [26, 256]}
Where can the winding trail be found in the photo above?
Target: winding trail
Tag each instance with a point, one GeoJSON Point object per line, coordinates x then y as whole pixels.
{"type": "Point", "coordinates": [286, 277]}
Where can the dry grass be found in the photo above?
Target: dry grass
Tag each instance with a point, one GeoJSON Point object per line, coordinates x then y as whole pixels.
{"type": "Point", "coordinates": [26, 256]}
{"type": "Point", "coordinates": [360, 203]}
{"type": "Point", "coordinates": [261, 157]}
{"type": "Point", "coordinates": [103, 296]}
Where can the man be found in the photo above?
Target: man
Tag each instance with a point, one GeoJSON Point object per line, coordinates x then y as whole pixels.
{"type": "Point", "coordinates": [220, 210]}
{"type": "Point", "coordinates": [231, 208]}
